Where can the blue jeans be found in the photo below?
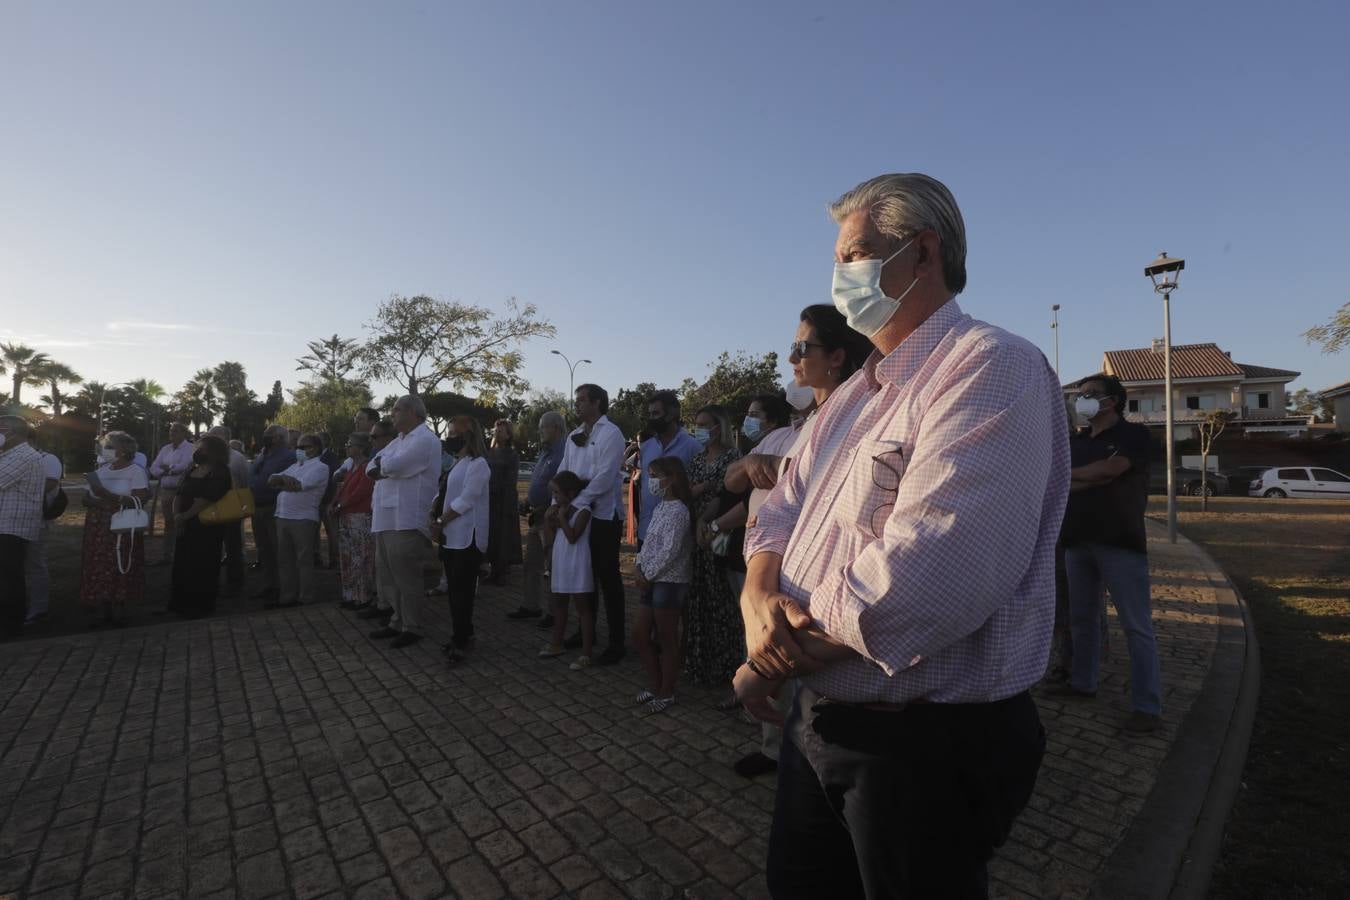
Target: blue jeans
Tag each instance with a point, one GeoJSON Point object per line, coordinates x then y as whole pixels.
{"type": "Point", "coordinates": [1125, 574]}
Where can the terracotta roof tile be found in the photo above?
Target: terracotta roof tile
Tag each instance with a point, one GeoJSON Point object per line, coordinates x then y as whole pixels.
{"type": "Point", "coordinates": [1266, 372]}
{"type": "Point", "coordinates": [1336, 389]}
{"type": "Point", "coordinates": [1188, 361]}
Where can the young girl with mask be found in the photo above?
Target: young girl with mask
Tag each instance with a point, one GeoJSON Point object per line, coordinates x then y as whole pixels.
{"type": "Point", "coordinates": [568, 529]}
{"type": "Point", "coordinates": [664, 571]}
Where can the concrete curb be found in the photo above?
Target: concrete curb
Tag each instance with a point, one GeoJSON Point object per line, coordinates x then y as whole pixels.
{"type": "Point", "coordinates": [1171, 847]}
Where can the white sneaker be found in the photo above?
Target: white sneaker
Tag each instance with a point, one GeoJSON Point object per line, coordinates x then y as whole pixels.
{"type": "Point", "coordinates": [582, 662]}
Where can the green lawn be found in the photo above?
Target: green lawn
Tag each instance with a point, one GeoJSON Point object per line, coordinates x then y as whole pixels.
{"type": "Point", "coordinates": [1290, 828]}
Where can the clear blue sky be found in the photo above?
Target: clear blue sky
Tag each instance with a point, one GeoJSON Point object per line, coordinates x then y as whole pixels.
{"type": "Point", "coordinates": [186, 183]}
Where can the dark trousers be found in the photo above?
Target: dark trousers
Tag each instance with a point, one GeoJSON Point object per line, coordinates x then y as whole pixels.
{"type": "Point", "coordinates": [13, 586]}
{"type": "Point", "coordinates": [461, 581]}
{"type": "Point", "coordinates": [234, 555]}
{"type": "Point", "coordinates": [907, 803]}
{"type": "Point", "coordinates": [265, 538]}
{"type": "Point", "coordinates": [608, 579]}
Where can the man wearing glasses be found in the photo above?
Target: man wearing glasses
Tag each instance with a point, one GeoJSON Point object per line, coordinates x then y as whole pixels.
{"type": "Point", "coordinates": [912, 588]}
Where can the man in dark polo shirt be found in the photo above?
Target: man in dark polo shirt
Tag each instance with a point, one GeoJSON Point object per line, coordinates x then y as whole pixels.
{"type": "Point", "coordinates": [1104, 545]}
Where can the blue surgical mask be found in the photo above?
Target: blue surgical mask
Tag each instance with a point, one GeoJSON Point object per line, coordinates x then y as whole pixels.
{"type": "Point", "coordinates": [300, 455]}
{"type": "Point", "coordinates": [857, 293]}
{"type": "Point", "coordinates": [657, 488]}
{"type": "Point", "coordinates": [752, 428]}
{"type": "Point", "coordinates": [702, 435]}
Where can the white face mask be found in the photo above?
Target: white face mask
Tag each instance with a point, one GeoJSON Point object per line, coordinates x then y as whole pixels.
{"type": "Point", "coordinates": [702, 435]}
{"type": "Point", "coordinates": [1087, 407]}
{"type": "Point", "coordinates": [857, 293]}
{"type": "Point", "coordinates": [107, 454]}
{"type": "Point", "coordinates": [799, 395]}
{"type": "Point", "coordinates": [300, 455]}
{"type": "Point", "coordinates": [657, 488]}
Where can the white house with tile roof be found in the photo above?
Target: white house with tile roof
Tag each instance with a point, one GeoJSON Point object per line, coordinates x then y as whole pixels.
{"type": "Point", "coordinates": [1339, 395]}
{"type": "Point", "coordinates": [1204, 378]}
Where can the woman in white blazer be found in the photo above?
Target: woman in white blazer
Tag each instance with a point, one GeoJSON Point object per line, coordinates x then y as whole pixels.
{"type": "Point", "coordinates": [461, 528]}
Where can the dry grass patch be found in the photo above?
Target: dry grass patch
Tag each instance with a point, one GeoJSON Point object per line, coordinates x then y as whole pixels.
{"type": "Point", "coordinates": [1290, 826]}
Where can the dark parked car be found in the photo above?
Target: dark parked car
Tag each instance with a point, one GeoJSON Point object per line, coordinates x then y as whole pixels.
{"type": "Point", "coordinates": [1240, 477]}
{"type": "Point", "coordinates": [1188, 482]}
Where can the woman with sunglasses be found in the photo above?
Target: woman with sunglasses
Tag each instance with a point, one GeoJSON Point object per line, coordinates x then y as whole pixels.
{"type": "Point", "coordinates": [825, 354]}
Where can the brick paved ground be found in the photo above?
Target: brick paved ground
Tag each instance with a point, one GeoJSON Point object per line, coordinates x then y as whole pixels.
{"type": "Point", "coordinates": [285, 754]}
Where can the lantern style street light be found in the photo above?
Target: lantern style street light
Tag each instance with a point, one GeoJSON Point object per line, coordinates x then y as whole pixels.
{"type": "Point", "coordinates": [1164, 272]}
{"type": "Point", "coordinates": [1054, 326]}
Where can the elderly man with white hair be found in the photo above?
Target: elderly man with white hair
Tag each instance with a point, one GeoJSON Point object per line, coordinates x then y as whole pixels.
{"type": "Point", "coordinates": [234, 533]}
{"type": "Point", "coordinates": [906, 579]}
{"type": "Point", "coordinates": [406, 476]}
{"type": "Point", "coordinates": [21, 486]}
{"type": "Point", "coordinates": [534, 601]}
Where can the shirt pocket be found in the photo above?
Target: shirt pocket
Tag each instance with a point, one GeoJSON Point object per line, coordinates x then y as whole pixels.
{"type": "Point", "coordinates": [874, 477]}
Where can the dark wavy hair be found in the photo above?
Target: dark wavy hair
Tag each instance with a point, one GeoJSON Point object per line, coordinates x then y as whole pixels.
{"type": "Point", "coordinates": [832, 331]}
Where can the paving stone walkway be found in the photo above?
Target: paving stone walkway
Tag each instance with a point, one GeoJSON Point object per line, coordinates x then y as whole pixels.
{"type": "Point", "coordinates": [285, 754]}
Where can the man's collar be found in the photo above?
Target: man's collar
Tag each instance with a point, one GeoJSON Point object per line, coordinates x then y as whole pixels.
{"type": "Point", "coordinates": [902, 362]}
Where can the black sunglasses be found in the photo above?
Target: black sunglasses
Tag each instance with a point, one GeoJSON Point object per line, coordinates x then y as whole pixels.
{"type": "Point", "coordinates": [580, 439]}
{"type": "Point", "coordinates": [799, 348]}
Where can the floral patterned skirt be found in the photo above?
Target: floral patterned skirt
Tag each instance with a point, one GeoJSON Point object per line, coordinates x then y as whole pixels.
{"type": "Point", "coordinates": [101, 585]}
{"type": "Point", "coordinates": [356, 555]}
{"type": "Point", "coordinates": [714, 636]}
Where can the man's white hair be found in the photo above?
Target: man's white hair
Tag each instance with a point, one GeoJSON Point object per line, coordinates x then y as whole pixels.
{"type": "Point", "coordinates": [553, 419]}
{"type": "Point", "coordinates": [903, 204]}
{"type": "Point", "coordinates": [414, 403]}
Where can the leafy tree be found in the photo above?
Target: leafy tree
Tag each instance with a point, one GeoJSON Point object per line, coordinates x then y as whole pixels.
{"type": "Point", "coordinates": [324, 405]}
{"type": "Point", "coordinates": [425, 345]}
{"type": "Point", "coordinates": [274, 400]}
{"type": "Point", "coordinates": [1304, 402]}
{"type": "Point", "coordinates": [1335, 334]}
{"type": "Point", "coordinates": [734, 382]}
{"type": "Point", "coordinates": [443, 405]}
{"type": "Point", "coordinates": [24, 365]}
{"type": "Point", "coordinates": [56, 374]}
{"type": "Point", "coordinates": [535, 405]}
{"type": "Point", "coordinates": [628, 409]}
{"type": "Point", "coordinates": [332, 359]}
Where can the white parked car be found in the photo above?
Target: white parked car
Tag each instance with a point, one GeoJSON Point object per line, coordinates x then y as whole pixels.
{"type": "Point", "coordinates": [1301, 481]}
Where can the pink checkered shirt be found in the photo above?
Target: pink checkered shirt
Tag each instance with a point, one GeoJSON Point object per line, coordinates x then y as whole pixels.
{"type": "Point", "coordinates": [937, 480]}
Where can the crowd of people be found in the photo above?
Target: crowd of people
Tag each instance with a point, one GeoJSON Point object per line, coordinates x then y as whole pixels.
{"type": "Point", "coordinates": [866, 561]}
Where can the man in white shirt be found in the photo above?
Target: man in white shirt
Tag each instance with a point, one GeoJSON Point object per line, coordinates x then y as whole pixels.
{"type": "Point", "coordinates": [234, 532]}
{"type": "Point", "coordinates": [406, 476]}
{"type": "Point", "coordinates": [595, 452]}
{"type": "Point", "coordinates": [35, 560]}
{"type": "Point", "coordinates": [300, 489]}
{"type": "Point", "coordinates": [171, 463]}
{"type": "Point", "coordinates": [21, 482]}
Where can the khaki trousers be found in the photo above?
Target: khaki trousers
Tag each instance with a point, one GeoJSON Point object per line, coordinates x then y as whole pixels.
{"type": "Point", "coordinates": [295, 560]}
{"type": "Point", "coordinates": [398, 576]}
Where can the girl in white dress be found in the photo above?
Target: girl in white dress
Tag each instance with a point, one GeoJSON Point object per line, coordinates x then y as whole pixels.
{"type": "Point", "coordinates": [569, 530]}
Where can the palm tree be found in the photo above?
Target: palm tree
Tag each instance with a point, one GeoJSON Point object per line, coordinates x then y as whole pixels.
{"type": "Point", "coordinates": [198, 399]}
{"type": "Point", "coordinates": [149, 389]}
{"type": "Point", "coordinates": [56, 374]}
{"type": "Point", "coordinates": [24, 364]}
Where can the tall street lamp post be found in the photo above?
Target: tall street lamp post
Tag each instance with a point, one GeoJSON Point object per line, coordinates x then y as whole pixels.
{"type": "Point", "coordinates": [571, 372]}
{"type": "Point", "coordinates": [1164, 272]}
{"type": "Point", "coordinates": [1054, 326]}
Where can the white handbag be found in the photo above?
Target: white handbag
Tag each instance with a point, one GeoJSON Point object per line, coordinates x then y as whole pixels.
{"type": "Point", "coordinates": [125, 523]}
